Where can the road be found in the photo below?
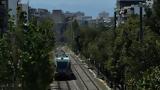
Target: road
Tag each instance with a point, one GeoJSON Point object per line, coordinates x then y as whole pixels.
{"type": "Point", "coordinates": [82, 79]}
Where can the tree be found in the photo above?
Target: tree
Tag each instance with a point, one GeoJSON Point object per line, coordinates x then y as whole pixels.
{"type": "Point", "coordinates": [38, 42]}
{"type": "Point", "coordinates": [124, 54]}
{"type": "Point", "coordinates": [150, 80]}
{"type": "Point", "coordinates": [24, 56]}
{"type": "Point", "coordinates": [153, 17]}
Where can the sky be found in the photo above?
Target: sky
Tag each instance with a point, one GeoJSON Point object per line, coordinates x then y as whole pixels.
{"type": "Point", "coordinates": [89, 7]}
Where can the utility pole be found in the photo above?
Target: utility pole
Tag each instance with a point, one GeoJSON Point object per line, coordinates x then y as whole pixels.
{"type": "Point", "coordinates": [115, 20]}
{"type": "Point", "coordinates": [115, 23]}
{"type": "Point", "coordinates": [141, 23]}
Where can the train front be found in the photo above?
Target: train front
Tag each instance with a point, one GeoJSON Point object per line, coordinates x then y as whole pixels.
{"type": "Point", "coordinates": [63, 66]}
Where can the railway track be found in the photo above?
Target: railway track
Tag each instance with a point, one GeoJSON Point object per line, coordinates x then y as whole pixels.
{"type": "Point", "coordinates": [61, 85]}
{"type": "Point", "coordinates": [87, 83]}
{"type": "Point", "coordinates": [80, 78]}
{"type": "Point", "coordinates": [69, 88]}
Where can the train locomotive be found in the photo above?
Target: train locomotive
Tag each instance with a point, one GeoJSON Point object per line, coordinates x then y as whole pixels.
{"type": "Point", "coordinates": [63, 65]}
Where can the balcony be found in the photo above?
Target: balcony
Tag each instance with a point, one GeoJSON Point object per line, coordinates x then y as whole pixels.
{"type": "Point", "coordinates": [123, 3]}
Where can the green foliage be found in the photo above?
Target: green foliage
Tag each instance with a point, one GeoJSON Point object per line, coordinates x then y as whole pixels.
{"type": "Point", "coordinates": [126, 60]}
{"type": "Point", "coordinates": [5, 62]}
{"type": "Point", "coordinates": [153, 17]}
{"type": "Point", "coordinates": [9, 59]}
{"type": "Point", "coordinates": [123, 54]}
{"type": "Point", "coordinates": [24, 56]}
{"type": "Point", "coordinates": [150, 80]}
{"type": "Point", "coordinates": [134, 55]}
{"type": "Point", "coordinates": [87, 35]}
{"type": "Point", "coordinates": [38, 42]}
{"type": "Point", "coordinates": [156, 10]}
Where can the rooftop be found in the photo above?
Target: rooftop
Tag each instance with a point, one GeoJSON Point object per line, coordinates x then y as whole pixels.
{"type": "Point", "coordinates": [130, 0]}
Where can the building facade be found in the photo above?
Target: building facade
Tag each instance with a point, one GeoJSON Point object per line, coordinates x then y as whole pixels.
{"type": "Point", "coordinates": [59, 25]}
{"type": "Point", "coordinates": [128, 7]}
{"type": "Point", "coordinates": [43, 12]}
{"type": "Point", "coordinates": [12, 7]}
{"type": "Point", "coordinates": [3, 15]}
{"type": "Point", "coordinates": [149, 3]}
{"type": "Point", "coordinates": [58, 16]}
{"type": "Point", "coordinates": [103, 17]}
{"type": "Point", "coordinates": [124, 3]}
{"type": "Point", "coordinates": [7, 6]}
{"type": "Point", "coordinates": [32, 12]}
{"type": "Point", "coordinates": [40, 14]}
{"type": "Point", "coordinates": [25, 8]}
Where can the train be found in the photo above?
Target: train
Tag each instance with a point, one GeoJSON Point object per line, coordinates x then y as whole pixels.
{"type": "Point", "coordinates": [63, 65]}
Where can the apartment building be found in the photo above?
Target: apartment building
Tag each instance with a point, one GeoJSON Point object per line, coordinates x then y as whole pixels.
{"type": "Point", "coordinates": [3, 16]}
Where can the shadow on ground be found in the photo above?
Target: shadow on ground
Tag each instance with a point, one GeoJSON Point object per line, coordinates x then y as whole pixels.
{"type": "Point", "coordinates": [63, 77]}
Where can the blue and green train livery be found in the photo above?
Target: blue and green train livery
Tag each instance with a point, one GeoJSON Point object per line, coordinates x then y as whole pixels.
{"type": "Point", "coordinates": [63, 65]}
